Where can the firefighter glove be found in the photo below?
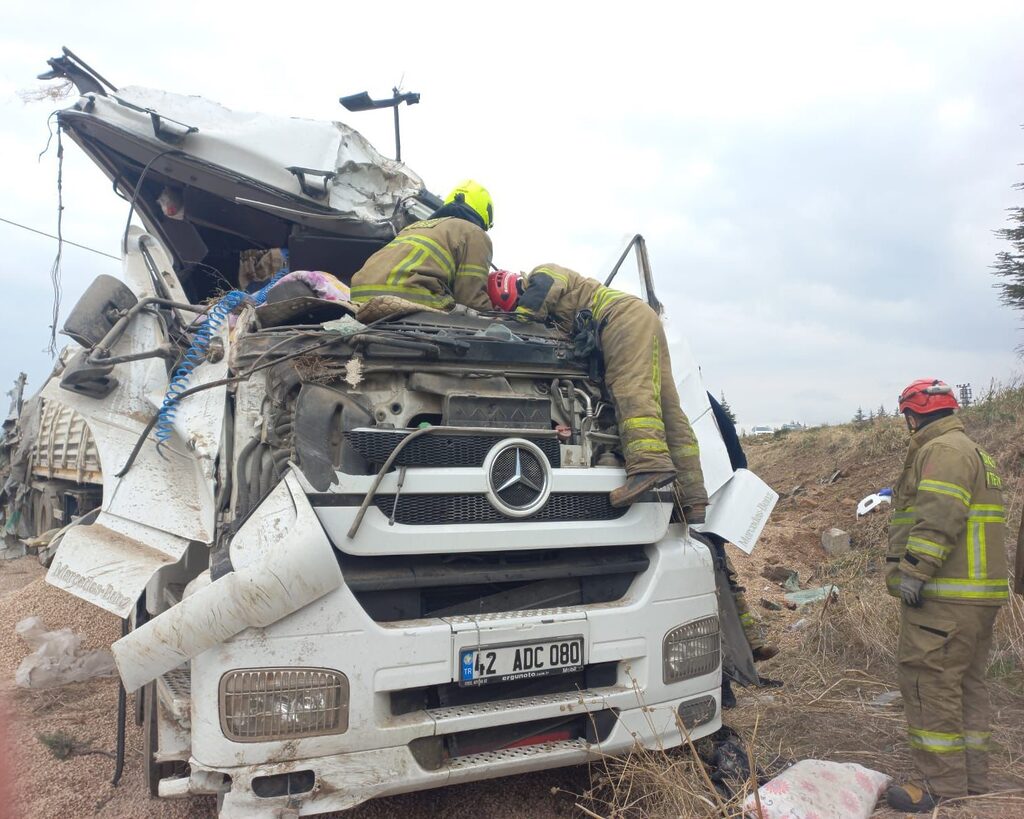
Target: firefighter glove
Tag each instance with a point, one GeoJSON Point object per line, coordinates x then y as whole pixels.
{"type": "Point", "coordinates": [910, 590]}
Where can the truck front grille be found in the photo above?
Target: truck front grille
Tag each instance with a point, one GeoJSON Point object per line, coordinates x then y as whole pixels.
{"type": "Point", "coordinates": [441, 510]}
{"type": "Point", "coordinates": [435, 450]}
{"type": "Point", "coordinates": [409, 587]}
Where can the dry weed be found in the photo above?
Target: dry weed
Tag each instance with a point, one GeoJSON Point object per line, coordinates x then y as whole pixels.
{"type": "Point", "coordinates": [316, 369]}
{"type": "Point", "coordinates": [54, 93]}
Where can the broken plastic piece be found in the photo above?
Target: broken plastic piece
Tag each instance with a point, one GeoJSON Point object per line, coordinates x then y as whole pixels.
{"type": "Point", "coordinates": [802, 598]}
{"type": "Point", "coordinates": [58, 658]}
{"type": "Point", "coordinates": [872, 502]}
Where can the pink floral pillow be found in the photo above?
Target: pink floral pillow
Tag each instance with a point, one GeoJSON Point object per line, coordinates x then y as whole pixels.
{"type": "Point", "coordinates": [818, 789]}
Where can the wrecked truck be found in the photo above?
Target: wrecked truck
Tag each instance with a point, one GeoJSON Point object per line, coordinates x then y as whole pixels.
{"type": "Point", "coordinates": [355, 560]}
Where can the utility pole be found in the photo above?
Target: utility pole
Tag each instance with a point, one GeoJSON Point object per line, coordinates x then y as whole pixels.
{"type": "Point", "coordinates": [966, 394]}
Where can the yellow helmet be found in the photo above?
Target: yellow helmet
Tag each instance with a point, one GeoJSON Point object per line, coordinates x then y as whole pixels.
{"type": "Point", "coordinates": [476, 196]}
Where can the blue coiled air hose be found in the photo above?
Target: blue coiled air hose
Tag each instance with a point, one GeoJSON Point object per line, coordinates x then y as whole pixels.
{"type": "Point", "coordinates": [196, 352]}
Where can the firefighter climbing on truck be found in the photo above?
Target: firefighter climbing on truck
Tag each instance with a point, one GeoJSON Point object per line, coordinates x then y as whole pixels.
{"type": "Point", "coordinates": [657, 441]}
{"type": "Point", "coordinates": [437, 262]}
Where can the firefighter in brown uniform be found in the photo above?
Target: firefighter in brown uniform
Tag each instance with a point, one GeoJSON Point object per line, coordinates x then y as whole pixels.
{"type": "Point", "coordinates": [437, 262]}
{"type": "Point", "coordinates": [947, 563]}
{"type": "Point", "coordinates": [657, 441]}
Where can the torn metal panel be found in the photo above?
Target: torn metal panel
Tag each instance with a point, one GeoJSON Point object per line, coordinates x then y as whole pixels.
{"type": "Point", "coordinates": [291, 565]}
{"type": "Point", "coordinates": [110, 562]}
{"type": "Point", "coordinates": [740, 509]}
{"type": "Point", "coordinates": [352, 178]}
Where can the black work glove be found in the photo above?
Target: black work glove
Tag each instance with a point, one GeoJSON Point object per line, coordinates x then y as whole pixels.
{"type": "Point", "coordinates": [910, 590]}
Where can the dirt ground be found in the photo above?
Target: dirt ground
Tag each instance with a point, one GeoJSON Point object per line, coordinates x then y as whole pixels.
{"type": "Point", "coordinates": [834, 663]}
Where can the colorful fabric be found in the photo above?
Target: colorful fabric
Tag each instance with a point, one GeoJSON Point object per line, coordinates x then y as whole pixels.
{"type": "Point", "coordinates": [324, 285]}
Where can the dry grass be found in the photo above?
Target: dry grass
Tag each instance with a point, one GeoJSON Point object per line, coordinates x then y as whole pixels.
{"type": "Point", "coordinates": [662, 782]}
{"type": "Point", "coordinates": [844, 657]}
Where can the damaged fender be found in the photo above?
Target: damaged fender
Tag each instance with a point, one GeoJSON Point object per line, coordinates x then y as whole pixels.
{"type": "Point", "coordinates": [293, 565]}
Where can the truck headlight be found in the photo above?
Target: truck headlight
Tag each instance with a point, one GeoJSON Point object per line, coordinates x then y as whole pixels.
{"type": "Point", "coordinates": [265, 704]}
{"type": "Point", "coordinates": [690, 650]}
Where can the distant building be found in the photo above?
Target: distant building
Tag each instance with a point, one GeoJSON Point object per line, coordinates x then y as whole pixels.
{"type": "Point", "coordinates": [762, 430]}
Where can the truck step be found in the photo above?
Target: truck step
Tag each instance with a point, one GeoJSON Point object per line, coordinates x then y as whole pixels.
{"type": "Point", "coordinates": [175, 692]}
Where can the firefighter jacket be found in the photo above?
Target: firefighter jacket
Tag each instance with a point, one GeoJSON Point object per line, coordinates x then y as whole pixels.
{"type": "Point", "coordinates": [1018, 573]}
{"type": "Point", "coordinates": [560, 293]}
{"type": "Point", "coordinates": [436, 262]}
{"type": "Point", "coordinates": [655, 433]}
{"type": "Point", "coordinates": [948, 525]}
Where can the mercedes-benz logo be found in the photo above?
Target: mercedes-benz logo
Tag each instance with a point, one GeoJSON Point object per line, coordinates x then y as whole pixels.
{"type": "Point", "coordinates": [518, 478]}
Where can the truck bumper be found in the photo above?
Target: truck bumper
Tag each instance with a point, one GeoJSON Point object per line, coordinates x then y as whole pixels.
{"type": "Point", "coordinates": [345, 780]}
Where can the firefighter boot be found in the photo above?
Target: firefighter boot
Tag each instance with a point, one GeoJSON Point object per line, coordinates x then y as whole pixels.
{"type": "Point", "coordinates": [728, 697]}
{"type": "Point", "coordinates": [636, 485]}
{"type": "Point", "coordinates": [911, 798]}
{"type": "Point", "coordinates": [765, 652]}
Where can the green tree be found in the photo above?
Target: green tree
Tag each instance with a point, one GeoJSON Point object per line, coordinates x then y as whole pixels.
{"type": "Point", "coordinates": [859, 417]}
{"type": "Point", "coordinates": [1009, 264]}
{"type": "Point", "coordinates": [880, 412]}
{"type": "Point", "coordinates": [727, 409]}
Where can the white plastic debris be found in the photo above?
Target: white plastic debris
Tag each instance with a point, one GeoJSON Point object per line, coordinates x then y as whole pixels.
{"type": "Point", "coordinates": [819, 788]}
{"type": "Point", "coordinates": [873, 501]}
{"type": "Point", "coordinates": [58, 658]}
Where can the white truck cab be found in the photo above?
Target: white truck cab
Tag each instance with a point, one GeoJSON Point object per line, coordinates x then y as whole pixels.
{"type": "Point", "coordinates": [357, 560]}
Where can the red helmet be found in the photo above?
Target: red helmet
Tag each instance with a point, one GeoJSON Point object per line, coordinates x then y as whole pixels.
{"type": "Point", "coordinates": [927, 395]}
{"type": "Point", "coordinates": [503, 288]}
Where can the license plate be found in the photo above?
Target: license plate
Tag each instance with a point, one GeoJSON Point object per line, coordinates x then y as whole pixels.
{"type": "Point", "coordinates": [520, 661]}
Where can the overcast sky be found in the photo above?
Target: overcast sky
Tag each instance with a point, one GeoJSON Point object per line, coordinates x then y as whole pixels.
{"type": "Point", "coordinates": [818, 189]}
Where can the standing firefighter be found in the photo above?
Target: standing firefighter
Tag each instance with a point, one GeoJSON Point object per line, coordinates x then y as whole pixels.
{"type": "Point", "coordinates": [947, 562]}
{"type": "Point", "coordinates": [657, 441]}
{"type": "Point", "coordinates": [437, 262]}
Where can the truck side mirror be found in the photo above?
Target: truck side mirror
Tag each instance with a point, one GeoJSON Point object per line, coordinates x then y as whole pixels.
{"type": "Point", "coordinates": [98, 310]}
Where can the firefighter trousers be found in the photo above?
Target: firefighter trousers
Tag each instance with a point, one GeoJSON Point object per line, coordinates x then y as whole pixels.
{"type": "Point", "coordinates": [655, 432]}
{"type": "Point", "coordinates": [943, 654]}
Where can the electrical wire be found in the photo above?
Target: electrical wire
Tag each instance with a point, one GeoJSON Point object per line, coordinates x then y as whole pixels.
{"type": "Point", "coordinates": [135, 193]}
{"type": "Point", "coordinates": [55, 267]}
{"type": "Point", "coordinates": [65, 241]}
{"type": "Point", "coordinates": [196, 351]}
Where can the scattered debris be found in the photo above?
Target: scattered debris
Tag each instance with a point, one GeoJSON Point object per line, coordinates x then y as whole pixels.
{"type": "Point", "coordinates": [64, 746]}
{"type": "Point", "coordinates": [354, 371]}
{"type": "Point", "coordinates": [835, 541]}
{"type": "Point", "coordinates": [835, 476]}
{"type": "Point", "coordinates": [872, 502]}
{"type": "Point", "coordinates": [346, 326]}
{"type": "Point", "coordinates": [790, 606]}
{"type": "Point", "coordinates": [817, 787]}
{"type": "Point", "coordinates": [787, 578]}
{"type": "Point", "coordinates": [799, 625]}
{"type": "Point", "coordinates": [886, 698]}
{"type": "Point", "coordinates": [771, 605]}
{"type": "Point", "coordinates": [813, 595]}
{"type": "Point", "coordinates": [13, 551]}
{"type": "Point", "coordinates": [58, 658]}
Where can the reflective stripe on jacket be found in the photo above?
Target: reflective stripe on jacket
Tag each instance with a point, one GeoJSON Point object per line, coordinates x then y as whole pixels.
{"type": "Point", "coordinates": [560, 293]}
{"type": "Point", "coordinates": [948, 525]}
{"type": "Point", "coordinates": [436, 262]}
